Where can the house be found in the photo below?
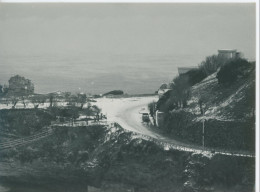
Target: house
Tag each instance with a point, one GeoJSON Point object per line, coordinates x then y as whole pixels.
{"type": "Point", "coordinates": [163, 89]}
{"type": "Point", "coordinates": [161, 92]}
{"type": "Point", "coordinates": [229, 53]}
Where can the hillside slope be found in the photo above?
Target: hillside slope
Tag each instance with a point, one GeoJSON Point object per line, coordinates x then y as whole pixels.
{"type": "Point", "coordinates": [228, 113]}
{"type": "Point", "coordinates": [111, 159]}
{"type": "Point", "coordinates": [232, 103]}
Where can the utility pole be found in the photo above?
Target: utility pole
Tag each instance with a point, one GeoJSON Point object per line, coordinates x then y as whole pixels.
{"type": "Point", "coordinates": [203, 129]}
{"type": "Point", "coordinates": [203, 126]}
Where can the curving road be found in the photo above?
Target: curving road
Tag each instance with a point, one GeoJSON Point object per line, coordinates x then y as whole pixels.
{"type": "Point", "coordinates": [125, 111]}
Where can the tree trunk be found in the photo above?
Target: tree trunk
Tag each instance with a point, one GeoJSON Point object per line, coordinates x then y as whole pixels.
{"type": "Point", "coordinates": [14, 104]}
{"type": "Point", "coordinates": [81, 106]}
{"type": "Point", "coordinates": [51, 102]}
{"type": "Point", "coordinates": [36, 106]}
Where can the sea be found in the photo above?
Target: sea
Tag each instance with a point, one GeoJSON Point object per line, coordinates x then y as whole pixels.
{"type": "Point", "coordinates": [93, 74]}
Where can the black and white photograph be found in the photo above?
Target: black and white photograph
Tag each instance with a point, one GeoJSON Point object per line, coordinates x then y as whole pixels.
{"type": "Point", "coordinates": [129, 96]}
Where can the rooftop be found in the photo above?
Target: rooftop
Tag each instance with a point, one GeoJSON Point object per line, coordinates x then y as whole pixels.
{"type": "Point", "coordinates": [187, 67]}
{"type": "Point", "coordinates": [227, 50]}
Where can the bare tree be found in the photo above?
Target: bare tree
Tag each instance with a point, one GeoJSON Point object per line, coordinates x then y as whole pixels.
{"type": "Point", "coordinates": [202, 104]}
{"type": "Point", "coordinates": [23, 98]}
{"type": "Point", "coordinates": [51, 99]}
{"type": "Point", "coordinates": [95, 109]}
{"type": "Point", "coordinates": [81, 99]}
{"type": "Point", "coordinates": [67, 97]}
{"type": "Point", "coordinates": [212, 63]}
{"type": "Point", "coordinates": [1, 89]}
{"type": "Point", "coordinates": [14, 101]}
{"type": "Point", "coordinates": [181, 90]}
{"type": "Point", "coordinates": [37, 100]}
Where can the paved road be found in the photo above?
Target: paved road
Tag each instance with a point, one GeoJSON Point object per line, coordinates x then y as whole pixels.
{"type": "Point", "coordinates": [125, 111]}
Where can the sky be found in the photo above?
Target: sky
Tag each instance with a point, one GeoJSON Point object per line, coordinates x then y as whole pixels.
{"type": "Point", "coordinates": [99, 47]}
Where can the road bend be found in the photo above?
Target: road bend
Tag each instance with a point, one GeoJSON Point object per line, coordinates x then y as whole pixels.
{"type": "Point", "coordinates": [126, 112]}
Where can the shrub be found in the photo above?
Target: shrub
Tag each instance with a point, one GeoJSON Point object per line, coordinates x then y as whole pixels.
{"type": "Point", "coordinates": [211, 64]}
{"type": "Point", "coordinates": [233, 70]}
{"type": "Point", "coordinates": [180, 92]}
{"type": "Point", "coordinates": [162, 102]}
{"type": "Point", "coordinates": [196, 76]}
{"type": "Point", "coordinates": [24, 121]}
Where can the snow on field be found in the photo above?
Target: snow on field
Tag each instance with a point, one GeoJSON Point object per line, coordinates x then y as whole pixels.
{"type": "Point", "coordinates": [29, 105]}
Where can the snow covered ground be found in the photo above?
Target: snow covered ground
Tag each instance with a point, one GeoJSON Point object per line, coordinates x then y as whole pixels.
{"type": "Point", "coordinates": [126, 111]}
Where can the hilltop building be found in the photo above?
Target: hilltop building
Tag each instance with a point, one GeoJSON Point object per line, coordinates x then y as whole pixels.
{"type": "Point", "coordinates": [229, 53]}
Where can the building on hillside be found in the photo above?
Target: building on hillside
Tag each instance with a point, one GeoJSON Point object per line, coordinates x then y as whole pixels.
{"type": "Point", "coordinates": [229, 53]}
{"type": "Point", "coordinates": [161, 92]}
{"type": "Point", "coordinates": [163, 89]}
{"type": "Point", "coordinates": [182, 70]}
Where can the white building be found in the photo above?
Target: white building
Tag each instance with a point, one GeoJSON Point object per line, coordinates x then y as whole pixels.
{"type": "Point", "coordinates": [161, 92]}
{"type": "Point", "coordinates": [229, 53]}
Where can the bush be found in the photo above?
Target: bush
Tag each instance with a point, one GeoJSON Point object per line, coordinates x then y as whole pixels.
{"type": "Point", "coordinates": [211, 64]}
{"type": "Point", "coordinates": [228, 171]}
{"type": "Point", "coordinates": [181, 84]}
{"type": "Point", "coordinates": [180, 91]}
{"type": "Point", "coordinates": [230, 72]}
{"type": "Point", "coordinates": [27, 155]}
{"type": "Point", "coordinates": [196, 76]}
{"type": "Point", "coordinates": [179, 94]}
{"type": "Point", "coordinates": [163, 101]}
{"type": "Point", "coordinates": [24, 121]}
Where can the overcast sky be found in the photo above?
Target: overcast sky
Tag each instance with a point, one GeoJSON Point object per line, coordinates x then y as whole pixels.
{"type": "Point", "coordinates": [189, 32]}
{"type": "Point", "coordinates": [196, 29]}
